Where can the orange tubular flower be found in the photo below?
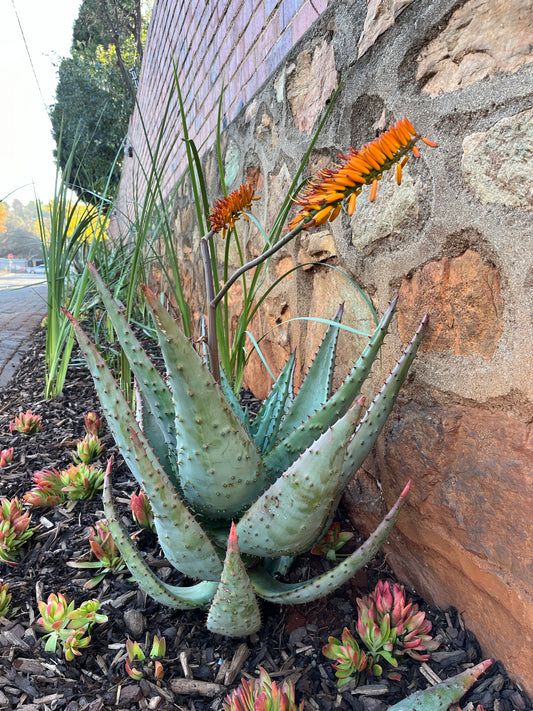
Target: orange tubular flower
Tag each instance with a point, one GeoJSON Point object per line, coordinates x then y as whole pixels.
{"type": "Point", "coordinates": [323, 196]}
{"type": "Point", "coordinates": [228, 210]}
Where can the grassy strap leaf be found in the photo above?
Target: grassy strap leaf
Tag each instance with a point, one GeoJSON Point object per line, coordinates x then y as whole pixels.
{"type": "Point", "coordinates": [441, 696]}
{"type": "Point", "coordinates": [290, 516]}
{"type": "Point", "coordinates": [220, 469]}
{"type": "Point", "coordinates": [198, 595]}
{"type": "Point", "coordinates": [316, 386]}
{"type": "Point", "coordinates": [152, 386]}
{"type": "Point", "coordinates": [273, 590]}
{"type": "Point", "coordinates": [376, 415]}
{"type": "Point", "coordinates": [234, 610]}
{"type": "Point", "coordinates": [182, 539]}
{"type": "Point", "coordinates": [287, 450]}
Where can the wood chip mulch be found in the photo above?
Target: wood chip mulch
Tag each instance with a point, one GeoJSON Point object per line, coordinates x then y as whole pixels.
{"type": "Point", "coordinates": [200, 668]}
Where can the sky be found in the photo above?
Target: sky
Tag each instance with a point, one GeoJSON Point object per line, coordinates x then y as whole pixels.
{"type": "Point", "coordinates": [26, 153]}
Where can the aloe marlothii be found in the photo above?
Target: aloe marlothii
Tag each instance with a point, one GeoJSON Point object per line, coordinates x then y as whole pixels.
{"type": "Point", "coordinates": [203, 464]}
{"type": "Point", "coordinates": [441, 696]}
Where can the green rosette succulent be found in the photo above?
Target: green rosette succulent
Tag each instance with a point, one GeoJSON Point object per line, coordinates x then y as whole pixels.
{"type": "Point", "coordinates": [235, 500]}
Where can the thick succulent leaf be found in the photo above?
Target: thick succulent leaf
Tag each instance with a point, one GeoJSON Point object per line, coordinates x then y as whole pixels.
{"type": "Point", "coordinates": [198, 595]}
{"type": "Point", "coordinates": [376, 415]}
{"type": "Point", "coordinates": [284, 454]}
{"type": "Point", "coordinates": [151, 428]}
{"type": "Point", "coordinates": [234, 610]}
{"type": "Point", "coordinates": [441, 696]}
{"type": "Point", "coordinates": [220, 468]}
{"type": "Point", "coordinates": [266, 424]}
{"type": "Point", "coordinates": [182, 539]}
{"type": "Point", "coordinates": [273, 590]}
{"type": "Point", "coordinates": [289, 517]}
{"type": "Point", "coordinates": [152, 386]}
{"type": "Point", "coordinates": [316, 386]}
{"type": "Point", "coordinates": [229, 394]}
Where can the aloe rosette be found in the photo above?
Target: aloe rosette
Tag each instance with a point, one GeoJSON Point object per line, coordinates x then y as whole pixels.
{"type": "Point", "coordinates": [235, 499]}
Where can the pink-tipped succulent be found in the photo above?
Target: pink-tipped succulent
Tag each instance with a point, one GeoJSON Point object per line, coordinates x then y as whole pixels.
{"type": "Point", "coordinates": [105, 550]}
{"type": "Point", "coordinates": [349, 659]}
{"type": "Point", "coordinates": [391, 626]}
{"type": "Point", "coordinates": [135, 657]}
{"type": "Point", "coordinates": [93, 424]}
{"type": "Point", "coordinates": [5, 599]}
{"type": "Point", "coordinates": [15, 529]}
{"type": "Point", "coordinates": [67, 625]}
{"type": "Point", "coordinates": [142, 510]}
{"type": "Point", "coordinates": [88, 449]}
{"type": "Point", "coordinates": [84, 480]}
{"type": "Point", "coordinates": [332, 542]}
{"type": "Point", "coordinates": [262, 694]}
{"type": "Point", "coordinates": [47, 489]}
{"type": "Point", "coordinates": [26, 423]}
{"type": "Point", "coordinates": [6, 457]}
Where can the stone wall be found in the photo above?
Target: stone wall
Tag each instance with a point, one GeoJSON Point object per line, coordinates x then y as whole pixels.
{"type": "Point", "coordinates": [455, 240]}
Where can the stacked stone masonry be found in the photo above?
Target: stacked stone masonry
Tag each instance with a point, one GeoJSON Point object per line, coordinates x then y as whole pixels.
{"type": "Point", "coordinates": [454, 240]}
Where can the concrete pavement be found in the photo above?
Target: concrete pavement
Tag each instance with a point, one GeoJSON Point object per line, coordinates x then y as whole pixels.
{"type": "Point", "coordinates": [22, 308]}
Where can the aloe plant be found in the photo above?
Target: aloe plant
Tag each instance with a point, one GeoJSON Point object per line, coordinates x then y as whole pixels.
{"type": "Point", "coordinates": [264, 491]}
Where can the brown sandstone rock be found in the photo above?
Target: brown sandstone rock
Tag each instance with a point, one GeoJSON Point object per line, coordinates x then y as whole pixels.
{"type": "Point", "coordinates": [482, 37]}
{"type": "Point", "coordinates": [465, 531]}
{"type": "Point", "coordinates": [311, 84]}
{"type": "Point", "coordinates": [380, 15]}
{"type": "Point", "coordinates": [463, 298]}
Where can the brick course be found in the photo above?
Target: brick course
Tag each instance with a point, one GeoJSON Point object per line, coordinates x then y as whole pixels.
{"type": "Point", "coordinates": [237, 42]}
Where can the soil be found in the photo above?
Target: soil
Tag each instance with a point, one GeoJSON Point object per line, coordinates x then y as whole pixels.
{"type": "Point", "coordinates": [200, 668]}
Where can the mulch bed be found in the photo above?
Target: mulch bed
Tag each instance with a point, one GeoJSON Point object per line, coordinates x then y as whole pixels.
{"type": "Point", "coordinates": [200, 668]}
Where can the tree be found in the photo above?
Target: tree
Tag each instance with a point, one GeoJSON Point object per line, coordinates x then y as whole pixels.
{"type": "Point", "coordinates": [95, 94]}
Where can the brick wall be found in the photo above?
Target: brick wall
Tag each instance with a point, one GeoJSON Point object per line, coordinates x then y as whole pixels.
{"type": "Point", "coordinates": [235, 43]}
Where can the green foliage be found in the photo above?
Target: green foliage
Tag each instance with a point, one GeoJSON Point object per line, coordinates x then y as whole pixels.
{"type": "Point", "coordinates": [15, 529]}
{"type": "Point", "coordinates": [264, 694]}
{"type": "Point", "coordinates": [196, 444]}
{"type": "Point", "coordinates": [67, 625]}
{"type": "Point", "coordinates": [95, 93]}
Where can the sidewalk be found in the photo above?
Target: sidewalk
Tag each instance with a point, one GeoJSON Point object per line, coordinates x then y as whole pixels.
{"type": "Point", "coordinates": [21, 310]}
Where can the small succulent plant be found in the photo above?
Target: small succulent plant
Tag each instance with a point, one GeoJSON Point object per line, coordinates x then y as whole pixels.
{"type": "Point", "coordinates": [26, 423]}
{"type": "Point", "coordinates": [84, 481]}
{"type": "Point", "coordinates": [6, 457]}
{"type": "Point", "coordinates": [262, 694]}
{"type": "Point", "coordinates": [15, 529]}
{"type": "Point", "coordinates": [88, 449]}
{"type": "Point", "coordinates": [5, 599]}
{"type": "Point", "coordinates": [77, 482]}
{"type": "Point", "coordinates": [391, 627]}
{"type": "Point", "coordinates": [47, 489]}
{"type": "Point", "coordinates": [106, 552]}
{"type": "Point", "coordinates": [94, 425]}
{"type": "Point", "coordinates": [332, 542]}
{"type": "Point", "coordinates": [204, 464]}
{"type": "Point", "coordinates": [349, 659]}
{"type": "Point", "coordinates": [68, 625]}
{"type": "Point", "coordinates": [135, 657]}
{"type": "Point", "coordinates": [141, 510]}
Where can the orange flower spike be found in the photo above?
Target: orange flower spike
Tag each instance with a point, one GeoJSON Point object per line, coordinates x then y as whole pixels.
{"type": "Point", "coordinates": [227, 211]}
{"type": "Point", "coordinates": [429, 142]}
{"type": "Point", "coordinates": [408, 125]}
{"type": "Point", "coordinates": [399, 173]}
{"type": "Point", "coordinates": [322, 216]}
{"type": "Point", "coordinates": [335, 212]}
{"type": "Point", "coordinates": [375, 151]}
{"type": "Point", "coordinates": [416, 152]}
{"type": "Point", "coordinates": [403, 132]}
{"type": "Point", "coordinates": [373, 190]}
{"type": "Point", "coordinates": [351, 204]}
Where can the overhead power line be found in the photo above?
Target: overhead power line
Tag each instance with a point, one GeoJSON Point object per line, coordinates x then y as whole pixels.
{"type": "Point", "coordinates": [29, 55]}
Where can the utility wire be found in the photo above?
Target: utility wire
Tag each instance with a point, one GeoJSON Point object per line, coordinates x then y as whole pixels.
{"type": "Point", "coordinates": [29, 56]}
